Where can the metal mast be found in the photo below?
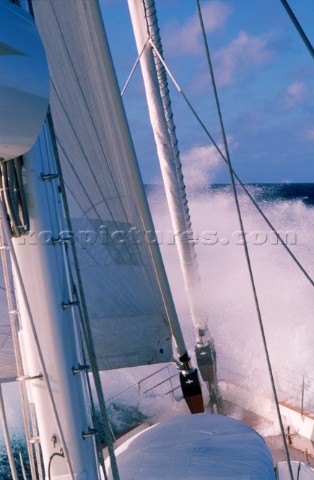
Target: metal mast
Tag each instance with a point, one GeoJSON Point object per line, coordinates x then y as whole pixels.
{"type": "Point", "coordinates": [32, 219]}
{"type": "Point", "coordinates": [145, 24]}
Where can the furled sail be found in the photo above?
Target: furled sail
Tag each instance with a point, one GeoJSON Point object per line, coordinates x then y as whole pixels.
{"type": "Point", "coordinates": [125, 306]}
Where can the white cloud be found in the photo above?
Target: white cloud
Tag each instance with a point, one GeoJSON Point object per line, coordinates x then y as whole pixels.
{"type": "Point", "coordinates": [186, 38]}
{"type": "Point", "coordinates": [200, 164]}
{"type": "Point", "coordinates": [241, 54]}
{"type": "Point", "coordinates": [295, 94]}
{"type": "Point", "coordinates": [310, 134]}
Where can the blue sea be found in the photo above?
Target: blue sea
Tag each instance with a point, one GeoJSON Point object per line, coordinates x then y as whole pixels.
{"type": "Point", "coordinates": [286, 297]}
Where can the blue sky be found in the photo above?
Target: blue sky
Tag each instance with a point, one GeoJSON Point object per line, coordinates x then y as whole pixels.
{"type": "Point", "coordinates": [265, 80]}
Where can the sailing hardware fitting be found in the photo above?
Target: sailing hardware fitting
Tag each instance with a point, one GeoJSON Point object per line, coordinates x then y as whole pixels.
{"type": "Point", "coordinates": [70, 304]}
{"type": "Point", "coordinates": [50, 176]}
{"type": "Point", "coordinates": [56, 241]}
{"type": "Point", "coordinates": [80, 369]}
{"type": "Point", "coordinates": [90, 433]}
{"type": "Point", "coordinates": [53, 439]}
{"type": "Point", "coordinates": [25, 378]}
{"type": "Point", "coordinates": [34, 440]}
{"type": "Point", "coordinates": [190, 385]}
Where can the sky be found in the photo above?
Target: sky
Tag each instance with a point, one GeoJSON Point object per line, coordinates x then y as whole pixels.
{"type": "Point", "coordinates": [265, 80]}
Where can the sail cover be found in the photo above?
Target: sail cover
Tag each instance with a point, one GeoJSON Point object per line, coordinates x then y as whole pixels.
{"type": "Point", "coordinates": [125, 306]}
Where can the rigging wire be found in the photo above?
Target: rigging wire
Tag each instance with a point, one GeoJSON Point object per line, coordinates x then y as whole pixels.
{"type": "Point", "coordinates": [245, 244]}
{"type": "Point", "coordinates": [294, 258]}
{"type": "Point", "coordinates": [134, 67]}
{"type": "Point", "coordinates": [298, 27]}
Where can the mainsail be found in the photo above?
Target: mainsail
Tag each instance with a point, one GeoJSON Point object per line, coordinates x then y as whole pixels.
{"type": "Point", "coordinates": [129, 324]}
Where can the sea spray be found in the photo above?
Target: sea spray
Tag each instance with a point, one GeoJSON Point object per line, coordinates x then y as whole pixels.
{"type": "Point", "coordinates": [285, 295]}
{"type": "Point", "coordinates": [286, 300]}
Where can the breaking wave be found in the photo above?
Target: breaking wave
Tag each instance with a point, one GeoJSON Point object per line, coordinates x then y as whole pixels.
{"type": "Point", "coordinates": [285, 295]}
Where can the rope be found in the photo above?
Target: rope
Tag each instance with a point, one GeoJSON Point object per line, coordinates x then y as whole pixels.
{"type": "Point", "coordinates": [56, 454]}
{"type": "Point", "coordinates": [300, 266]}
{"type": "Point", "coordinates": [298, 27]}
{"type": "Point", "coordinates": [246, 250]}
{"type": "Point", "coordinates": [133, 68]}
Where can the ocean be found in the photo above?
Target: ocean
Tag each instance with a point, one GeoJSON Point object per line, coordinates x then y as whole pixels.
{"type": "Point", "coordinates": [285, 296]}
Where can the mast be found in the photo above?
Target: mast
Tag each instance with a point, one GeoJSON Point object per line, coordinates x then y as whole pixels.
{"type": "Point", "coordinates": [49, 336]}
{"type": "Point", "coordinates": [145, 24]}
{"type": "Point", "coordinates": [32, 218]}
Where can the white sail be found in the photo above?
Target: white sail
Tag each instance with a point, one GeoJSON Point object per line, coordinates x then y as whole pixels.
{"type": "Point", "coordinates": [122, 292]}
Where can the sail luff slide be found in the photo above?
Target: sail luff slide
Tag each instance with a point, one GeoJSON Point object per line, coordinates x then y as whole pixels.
{"type": "Point", "coordinates": [145, 23]}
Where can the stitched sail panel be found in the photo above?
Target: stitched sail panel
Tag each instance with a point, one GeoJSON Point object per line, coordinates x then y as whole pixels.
{"type": "Point", "coordinates": [123, 298]}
